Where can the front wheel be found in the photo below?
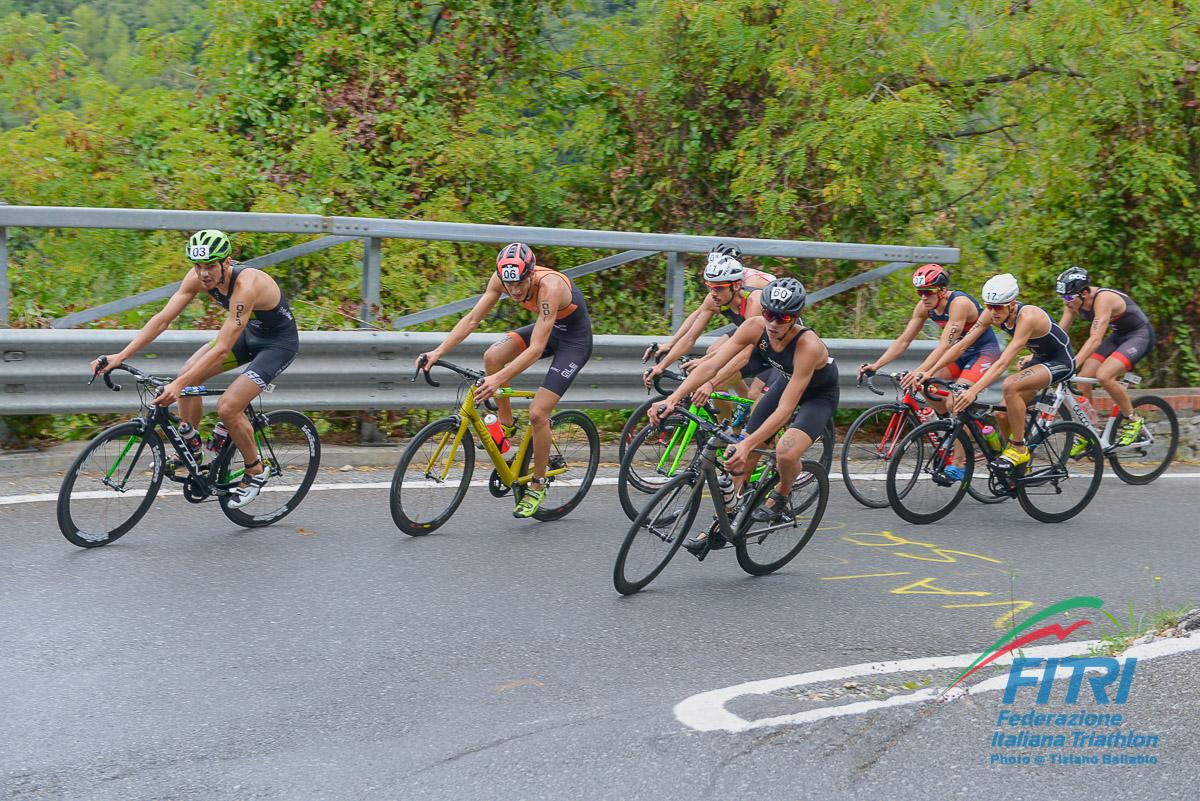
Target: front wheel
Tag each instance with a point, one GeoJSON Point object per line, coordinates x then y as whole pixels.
{"type": "Point", "coordinates": [655, 455]}
{"type": "Point", "coordinates": [432, 477]}
{"type": "Point", "coordinates": [657, 533]}
{"type": "Point", "coordinates": [767, 547]}
{"type": "Point", "coordinates": [1055, 485]}
{"type": "Point", "coordinates": [918, 488]}
{"type": "Point", "coordinates": [868, 447]}
{"type": "Point", "coordinates": [574, 459]}
{"type": "Point", "coordinates": [1151, 454]}
{"type": "Point", "coordinates": [289, 445]}
{"type": "Point", "coordinates": [111, 485]}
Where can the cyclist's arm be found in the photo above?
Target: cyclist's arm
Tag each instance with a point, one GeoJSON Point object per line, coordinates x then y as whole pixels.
{"type": "Point", "coordinates": [162, 321]}
{"type": "Point", "coordinates": [1068, 318]}
{"type": "Point", "coordinates": [729, 354]}
{"type": "Point", "coordinates": [1015, 345]}
{"type": "Point", "coordinates": [954, 351]}
{"type": "Point", "coordinates": [727, 370]}
{"type": "Point", "coordinates": [241, 308]}
{"type": "Point", "coordinates": [554, 295]}
{"type": "Point", "coordinates": [1103, 310]}
{"type": "Point", "coordinates": [471, 320]}
{"type": "Point", "coordinates": [905, 339]}
{"type": "Point", "coordinates": [687, 336]}
{"type": "Point", "coordinates": [960, 309]}
{"type": "Point", "coordinates": [808, 356]}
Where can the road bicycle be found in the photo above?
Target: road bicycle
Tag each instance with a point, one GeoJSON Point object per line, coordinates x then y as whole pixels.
{"type": "Point", "coordinates": [114, 480]}
{"type": "Point", "coordinates": [872, 439]}
{"type": "Point", "coordinates": [435, 469]}
{"type": "Point", "coordinates": [761, 547]}
{"type": "Point", "coordinates": [1051, 487]}
{"type": "Point", "coordinates": [656, 453]}
{"type": "Point", "coordinates": [1150, 454]}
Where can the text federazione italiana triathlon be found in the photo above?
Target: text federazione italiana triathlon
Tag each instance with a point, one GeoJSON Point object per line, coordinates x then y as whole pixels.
{"type": "Point", "coordinates": [1091, 731]}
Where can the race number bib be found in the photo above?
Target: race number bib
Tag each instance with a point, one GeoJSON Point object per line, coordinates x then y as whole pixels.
{"type": "Point", "coordinates": [198, 252]}
{"type": "Point", "coordinates": [780, 293]}
{"type": "Point", "coordinates": [1060, 287]}
{"type": "Point", "coordinates": [510, 273]}
{"type": "Point", "coordinates": [918, 280]}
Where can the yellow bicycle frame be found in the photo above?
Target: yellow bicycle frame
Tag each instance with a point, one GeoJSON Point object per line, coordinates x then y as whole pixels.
{"type": "Point", "coordinates": [469, 415]}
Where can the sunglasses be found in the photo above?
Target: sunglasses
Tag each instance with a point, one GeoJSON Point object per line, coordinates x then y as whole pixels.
{"type": "Point", "coordinates": [926, 292]}
{"type": "Point", "coordinates": [996, 306]}
{"type": "Point", "coordinates": [719, 285]}
{"type": "Point", "coordinates": [1068, 298]}
{"type": "Point", "coordinates": [775, 317]}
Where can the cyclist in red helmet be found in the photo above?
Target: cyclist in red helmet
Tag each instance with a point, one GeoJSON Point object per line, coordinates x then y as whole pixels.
{"type": "Point", "coordinates": [562, 330]}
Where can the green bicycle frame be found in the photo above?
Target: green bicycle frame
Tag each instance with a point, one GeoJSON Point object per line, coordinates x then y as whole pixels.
{"type": "Point", "coordinates": [682, 437]}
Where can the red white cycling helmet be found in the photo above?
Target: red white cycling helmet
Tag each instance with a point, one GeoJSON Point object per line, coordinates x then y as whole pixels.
{"type": "Point", "coordinates": [930, 275]}
{"type": "Point", "coordinates": [514, 262]}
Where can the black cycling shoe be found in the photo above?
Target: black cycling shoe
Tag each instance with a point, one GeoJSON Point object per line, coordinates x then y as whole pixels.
{"type": "Point", "coordinates": [778, 513]}
{"type": "Point", "coordinates": [698, 545]}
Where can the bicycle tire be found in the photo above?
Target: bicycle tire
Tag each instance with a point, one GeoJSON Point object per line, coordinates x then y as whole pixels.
{"type": "Point", "coordinates": [746, 547]}
{"type": "Point", "coordinates": [1060, 460]}
{"type": "Point", "coordinates": [680, 518]}
{"type": "Point", "coordinates": [84, 535]}
{"type": "Point", "coordinates": [561, 507]}
{"type": "Point", "coordinates": [632, 482]}
{"type": "Point", "coordinates": [447, 426]}
{"type": "Point", "coordinates": [1170, 418]}
{"type": "Point", "coordinates": [906, 423]}
{"type": "Point", "coordinates": [926, 461]}
{"type": "Point", "coordinates": [298, 454]}
{"type": "Point", "coordinates": [636, 422]}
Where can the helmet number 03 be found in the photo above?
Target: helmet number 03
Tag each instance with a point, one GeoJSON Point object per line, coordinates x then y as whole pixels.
{"type": "Point", "coordinates": [510, 273]}
{"type": "Point", "coordinates": [197, 251]}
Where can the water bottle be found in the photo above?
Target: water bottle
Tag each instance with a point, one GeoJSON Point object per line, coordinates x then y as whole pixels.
{"type": "Point", "coordinates": [220, 435]}
{"type": "Point", "coordinates": [925, 414]}
{"type": "Point", "coordinates": [1088, 410]}
{"type": "Point", "coordinates": [992, 438]}
{"type": "Point", "coordinates": [492, 424]}
{"type": "Point", "coordinates": [191, 437]}
{"type": "Point", "coordinates": [728, 491]}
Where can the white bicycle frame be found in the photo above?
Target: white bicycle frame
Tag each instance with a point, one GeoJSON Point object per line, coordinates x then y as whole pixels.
{"type": "Point", "coordinates": [1063, 396]}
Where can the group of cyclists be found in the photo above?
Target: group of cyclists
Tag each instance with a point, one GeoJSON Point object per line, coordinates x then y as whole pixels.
{"type": "Point", "coordinates": [793, 376]}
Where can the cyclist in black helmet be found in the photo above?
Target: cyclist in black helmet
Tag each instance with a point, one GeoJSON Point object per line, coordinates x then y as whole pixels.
{"type": "Point", "coordinates": [804, 391]}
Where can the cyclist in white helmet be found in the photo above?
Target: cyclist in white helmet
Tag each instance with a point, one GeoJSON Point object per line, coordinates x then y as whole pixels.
{"type": "Point", "coordinates": [734, 291]}
{"type": "Point", "coordinates": [1051, 360]}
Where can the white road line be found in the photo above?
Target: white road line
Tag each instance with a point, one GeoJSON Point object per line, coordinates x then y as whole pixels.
{"type": "Point", "coordinates": [43, 497]}
{"type": "Point", "coordinates": [1107, 475]}
{"type": "Point", "coordinates": [706, 711]}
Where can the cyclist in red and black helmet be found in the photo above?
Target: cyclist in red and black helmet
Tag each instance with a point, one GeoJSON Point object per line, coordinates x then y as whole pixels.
{"type": "Point", "coordinates": [562, 330]}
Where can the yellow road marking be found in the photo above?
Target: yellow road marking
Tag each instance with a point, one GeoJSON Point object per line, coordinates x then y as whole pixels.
{"type": "Point", "coordinates": [930, 589]}
{"type": "Point", "coordinates": [866, 575]}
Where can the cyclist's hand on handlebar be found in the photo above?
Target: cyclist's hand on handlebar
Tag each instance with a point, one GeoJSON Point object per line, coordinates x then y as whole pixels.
{"type": "Point", "coordinates": [104, 364]}
{"type": "Point", "coordinates": [701, 393]}
{"type": "Point", "coordinates": [1024, 360]}
{"type": "Point", "coordinates": [488, 387]}
{"type": "Point", "coordinates": [654, 372]}
{"type": "Point", "coordinates": [964, 399]}
{"type": "Point", "coordinates": [653, 351]}
{"type": "Point", "coordinates": [427, 360]}
{"type": "Point", "coordinates": [658, 411]}
{"type": "Point", "coordinates": [736, 457]}
{"type": "Point", "coordinates": [169, 394]}
{"type": "Point", "coordinates": [912, 380]}
{"type": "Point", "coordinates": [865, 370]}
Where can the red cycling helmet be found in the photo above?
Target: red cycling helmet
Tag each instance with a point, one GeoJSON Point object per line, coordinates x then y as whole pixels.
{"type": "Point", "coordinates": [514, 262]}
{"type": "Point", "coordinates": [930, 275]}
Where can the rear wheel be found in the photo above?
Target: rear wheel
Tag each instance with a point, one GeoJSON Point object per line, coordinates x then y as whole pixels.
{"type": "Point", "coordinates": [574, 450]}
{"type": "Point", "coordinates": [1056, 486]}
{"type": "Point", "coordinates": [1151, 454]}
{"type": "Point", "coordinates": [654, 456]}
{"type": "Point", "coordinates": [767, 547]}
{"type": "Point", "coordinates": [432, 477]}
{"type": "Point", "coordinates": [289, 444]}
{"type": "Point", "coordinates": [111, 485]}
{"type": "Point", "coordinates": [656, 533]}
{"type": "Point", "coordinates": [869, 444]}
{"type": "Point", "coordinates": [636, 422]}
{"type": "Point", "coordinates": [917, 486]}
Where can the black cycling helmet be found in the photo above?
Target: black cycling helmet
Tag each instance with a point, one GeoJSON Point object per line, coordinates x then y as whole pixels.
{"type": "Point", "coordinates": [784, 296]}
{"type": "Point", "coordinates": [1072, 281]}
{"type": "Point", "coordinates": [722, 249]}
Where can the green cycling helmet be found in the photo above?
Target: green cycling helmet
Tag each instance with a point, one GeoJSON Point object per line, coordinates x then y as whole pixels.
{"type": "Point", "coordinates": [208, 245]}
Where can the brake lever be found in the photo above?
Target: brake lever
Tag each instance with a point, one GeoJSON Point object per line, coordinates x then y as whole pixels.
{"type": "Point", "coordinates": [428, 378]}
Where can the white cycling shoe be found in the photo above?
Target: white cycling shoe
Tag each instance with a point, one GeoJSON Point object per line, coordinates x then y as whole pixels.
{"type": "Point", "coordinates": [240, 496]}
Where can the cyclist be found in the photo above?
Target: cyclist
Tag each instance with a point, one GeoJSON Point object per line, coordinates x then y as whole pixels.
{"type": "Point", "coordinates": [259, 333]}
{"type": "Point", "coordinates": [1106, 358]}
{"type": "Point", "coordinates": [804, 391]}
{"type": "Point", "coordinates": [733, 292]}
{"type": "Point", "coordinates": [1052, 360]}
{"type": "Point", "coordinates": [562, 330]}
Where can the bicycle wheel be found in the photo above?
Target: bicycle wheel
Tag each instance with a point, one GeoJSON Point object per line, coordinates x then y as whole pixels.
{"type": "Point", "coordinates": [1150, 456]}
{"type": "Point", "coordinates": [575, 446]}
{"type": "Point", "coordinates": [767, 547]}
{"type": "Point", "coordinates": [917, 487]}
{"type": "Point", "coordinates": [111, 484]}
{"type": "Point", "coordinates": [1055, 487]}
{"type": "Point", "coordinates": [869, 444]}
{"type": "Point", "coordinates": [654, 456]}
{"type": "Point", "coordinates": [636, 422]}
{"type": "Point", "coordinates": [432, 477]}
{"type": "Point", "coordinates": [290, 445]}
{"type": "Point", "coordinates": [657, 533]}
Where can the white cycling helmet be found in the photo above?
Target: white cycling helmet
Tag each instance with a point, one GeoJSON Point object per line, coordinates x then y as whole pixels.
{"type": "Point", "coordinates": [1001, 289]}
{"type": "Point", "coordinates": [721, 269]}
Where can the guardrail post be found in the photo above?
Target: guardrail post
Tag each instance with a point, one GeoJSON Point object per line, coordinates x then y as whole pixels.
{"type": "Point", "coordinates": [4, 319]}
{"type": "Point", "coordinates": [372, 268]}
{"type": "Point", "coordinates": [675, 289]}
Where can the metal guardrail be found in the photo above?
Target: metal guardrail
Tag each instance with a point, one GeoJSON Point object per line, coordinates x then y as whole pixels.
{"type": "Point", "coordinates": [46, 372]}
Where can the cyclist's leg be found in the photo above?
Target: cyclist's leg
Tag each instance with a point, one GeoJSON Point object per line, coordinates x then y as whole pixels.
{"type": "Point", "coordinates": [264, 367]}
{"type": "Point", "coordinates": [1023, 387]}
{"type": "Point", "coordinates": [1121, 357]}
{"type": "Point", "coordinates": [539, 425]}
{"type": "Point", "coordinates": [191, 408]}
{"type": "Point", "coordinates": [570, 355]}
{"type": "Point", "coordinates": [1091, 366]}
{"type": "Point", "coordinates": [812, 415]}
{"type": "Point", "coordinates": [496, 357]}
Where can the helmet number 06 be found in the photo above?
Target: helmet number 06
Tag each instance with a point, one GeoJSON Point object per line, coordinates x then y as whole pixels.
{"type": "Point", "coordinates": [197, 251]}
{"type": "Point", "coordinates": [510, 273]}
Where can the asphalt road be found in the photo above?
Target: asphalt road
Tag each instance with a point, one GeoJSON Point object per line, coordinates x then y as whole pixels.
{"type": "Point", "coordinates": [331, 657]}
